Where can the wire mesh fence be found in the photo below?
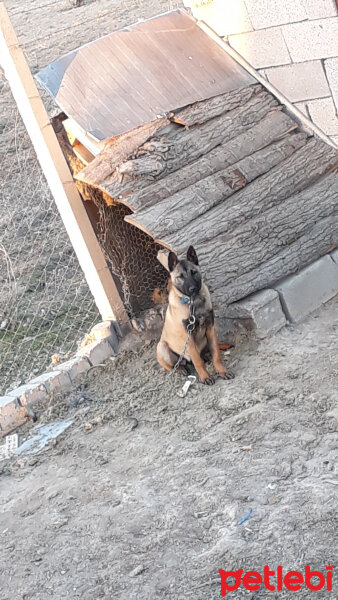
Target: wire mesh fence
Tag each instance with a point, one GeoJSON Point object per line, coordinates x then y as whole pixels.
{"type": "Point", "coordinates": [45, 304]}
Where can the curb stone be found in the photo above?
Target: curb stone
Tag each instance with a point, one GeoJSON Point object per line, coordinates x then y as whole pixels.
{"type": "Point", "coordinates": [97, 352]}
{"type": "Point", "coordinates": [306, 291]}
{"type": "Point", "coordinates": [17, 403]}
{"type": "Point", "coordinates": [74, 367]}
{"type": "Point", "coordinates": [261, 312]}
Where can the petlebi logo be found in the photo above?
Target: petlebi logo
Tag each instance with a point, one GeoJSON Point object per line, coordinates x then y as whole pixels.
{"type": "Point", "coordinates": [276, 580]}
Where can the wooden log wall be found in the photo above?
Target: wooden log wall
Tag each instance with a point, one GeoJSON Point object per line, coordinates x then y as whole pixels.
{"type": "Point", "coordinates": [234, 176]}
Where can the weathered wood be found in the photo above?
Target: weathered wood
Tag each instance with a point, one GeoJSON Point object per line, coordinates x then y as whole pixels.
{"type": "Point", "coordinates": [174, 213]}
{"type": "Point", "coordinates": [228, 257]}
{"type": "Point", "coordinates": [82, 152]}
{"type": "Point", "coordinates": [299, 171]}
{"type": "Point", "coordinates": [74, 132]}
{"type": "Point", "coordinates": [174, 152]}
{"type": "Point", "coordinates": [171, 154]}
{"type": "Point", "coordinates": [117, 149]}
{"type": "Point", "coordinates": [200, 112]}
{"type": "Point", "coordinates": [273, 126]}
{"type": "Point", "coordinates": [316, 242]}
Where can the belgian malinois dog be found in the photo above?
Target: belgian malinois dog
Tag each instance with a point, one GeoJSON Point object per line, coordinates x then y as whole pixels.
{"type": "Point", "coordinates": [189, 295]}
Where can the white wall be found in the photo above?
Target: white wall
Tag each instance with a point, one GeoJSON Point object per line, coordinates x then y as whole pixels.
{"type": "Point", "coordinates": [293, 43]}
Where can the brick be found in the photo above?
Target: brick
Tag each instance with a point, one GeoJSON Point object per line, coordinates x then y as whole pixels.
{"type": "Point", "coordinates": [303, 293]}
{"type": "Point", "coordinates": [10, 412]}
{"type": "Point", "coordinates": [261, 312]}
{"type": "Point", "coordinates": [75, 367]}
{"type": "Point", "coordinates": [97, 352]}
{"type": "Point", "coordinates": [55, 381]}
{"type": "Point", "coordinates": [106, 330]}
{"type": "Point", "coordinates": [320, 9]}
{"type": "Point", "coordinates": [323, 114]}
{"type": "Point", "coordinates": [311, 40]}
{"type": "Point", "coordinates": [269, 13]}
{"type": "Point", "coordinates": [334, 256]}
{"type": "Point", "coordinates": [29, 393]}
{"type": "Point", "coordinates": [264, 48]}
{"type": "Point", "coordinates": [331, 67]}
{"type": "Point", "coordinates": [223, 16]}
{"type": "Point", "coordinates": [300, 81]}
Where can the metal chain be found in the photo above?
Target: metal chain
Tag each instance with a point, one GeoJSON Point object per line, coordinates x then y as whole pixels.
{"type": "Point", "coordinates": [190, 329]}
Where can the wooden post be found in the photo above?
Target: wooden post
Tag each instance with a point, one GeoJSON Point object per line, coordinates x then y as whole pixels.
{"type": "Point", "coordinates": [58, 175]}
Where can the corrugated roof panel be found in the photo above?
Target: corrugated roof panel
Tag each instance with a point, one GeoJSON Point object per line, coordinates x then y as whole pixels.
{"type": "Point", "coordinates": [129, 77]}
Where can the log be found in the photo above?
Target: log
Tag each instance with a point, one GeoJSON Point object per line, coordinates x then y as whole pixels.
{"type": "Point", "coordinates": [174, 151]}
{"type": "Point", "coordinates": [117, 149]}
{"type": "Point", "coordinates": [316, 242]}
{"type": "Point", "coordinates": [294, 174]}
{"type": "Point", "coordinates": [174, 213]}
{"type": "Point", "coordinates": [273, 126]}
{"type": "Point", "coordinates": [187, 146]}
{"type": "Point", "coordinates": [226, 258]}
{"type": "Point", "coordinates": [200, 112]}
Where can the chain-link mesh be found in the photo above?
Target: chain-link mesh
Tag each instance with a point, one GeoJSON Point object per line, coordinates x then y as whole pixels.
{"type": "Point", "coordinates": [132, 256]}
{"type": "Point", "coordinates": [130, 253]}
{"type": "Point", "coordinates": [45, 303]}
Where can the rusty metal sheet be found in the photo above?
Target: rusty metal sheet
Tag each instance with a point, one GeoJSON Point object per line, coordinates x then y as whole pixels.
{"type": "Point", "coordinates": [132, 76]}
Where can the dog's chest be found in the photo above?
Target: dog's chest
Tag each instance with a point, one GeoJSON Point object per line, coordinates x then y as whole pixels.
{"type": "Point", "coordinates": [203, 312]}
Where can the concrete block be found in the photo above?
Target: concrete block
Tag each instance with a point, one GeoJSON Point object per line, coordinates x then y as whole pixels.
{"type": "Point", "coordinates": [323, 114]}
{"type": "Point", "coordinates": [106, 330]}
{"type": "Point", "coordinates": [10, 412]}
{"type": "Point", "coordinates": [55, 381]}
{"type": "Point", "coordinates": [74, 367]}
{"type": "Point", "coordinates": [331, 67]}
{"type": "Point", "coordinates": [29, 393]}
{"type": "Point", "coordinates": [311, 40]}
{"type": "Point", "coordinates": [303, 293]}
{"type": "Point", "coordinates": [223, 16]}
{"type": "Point", "coordinates": [261, 312]}
{"type": "Point", "coordinates": [269, 13]}
{"type": "Point", "coordinates": [264, 48]}
{"type": "Point", "coordinates": [97, 352]}
{"type": "Point", "coordinates": [320, 9]}
{"type": "Point", "coordinates": [300, 81]}
{"type": "Point", "coordinates": [334, 256]}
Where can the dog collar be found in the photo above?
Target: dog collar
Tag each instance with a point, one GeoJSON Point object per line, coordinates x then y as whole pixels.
{"type": "Point", "coordinates": [184, 300]}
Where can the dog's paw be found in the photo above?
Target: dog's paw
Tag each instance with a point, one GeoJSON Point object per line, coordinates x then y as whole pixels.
{"type": "Point", "coordinates": [208, 380]}
{"type": "Point", "coordinates": [226, 374]}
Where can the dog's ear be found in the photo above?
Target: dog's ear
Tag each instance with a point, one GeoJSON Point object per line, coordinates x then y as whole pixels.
{"type": "Point", "coordinates": [192, 256]}
{"type": "Point", "coordinates": [172, 261]}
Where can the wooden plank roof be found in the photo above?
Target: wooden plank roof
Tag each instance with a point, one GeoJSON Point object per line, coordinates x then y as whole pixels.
{"type": "Point", "coordinates": [132, 76]}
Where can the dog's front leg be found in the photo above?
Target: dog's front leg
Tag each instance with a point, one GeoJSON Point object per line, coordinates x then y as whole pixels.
{"type": "Point", "coordinates": [216, 354]}
{"type": "Point", "coordinates": [199, 364]}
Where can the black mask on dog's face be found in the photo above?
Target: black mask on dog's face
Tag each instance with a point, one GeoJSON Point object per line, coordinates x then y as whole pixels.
{"type": "Point", "coordinates": [186, 274]}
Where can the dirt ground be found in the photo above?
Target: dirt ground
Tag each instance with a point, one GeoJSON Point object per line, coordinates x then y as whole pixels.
{"type": "Point", "coordinates": [141, 497]}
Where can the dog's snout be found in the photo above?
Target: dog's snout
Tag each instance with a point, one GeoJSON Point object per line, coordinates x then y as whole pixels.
{"type": "Point", "coordinates": [192, 289]}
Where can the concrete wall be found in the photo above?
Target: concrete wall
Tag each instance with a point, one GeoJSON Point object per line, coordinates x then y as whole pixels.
{"type": "Point", "coordinates": [292, 43]}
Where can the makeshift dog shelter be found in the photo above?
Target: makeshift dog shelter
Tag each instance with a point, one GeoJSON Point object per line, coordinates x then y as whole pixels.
{"type": "Point", "coordinates": [177, 144]}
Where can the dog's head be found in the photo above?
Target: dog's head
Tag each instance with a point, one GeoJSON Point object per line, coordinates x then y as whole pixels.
{"type": "Point", "coordinates": [185, 274]}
